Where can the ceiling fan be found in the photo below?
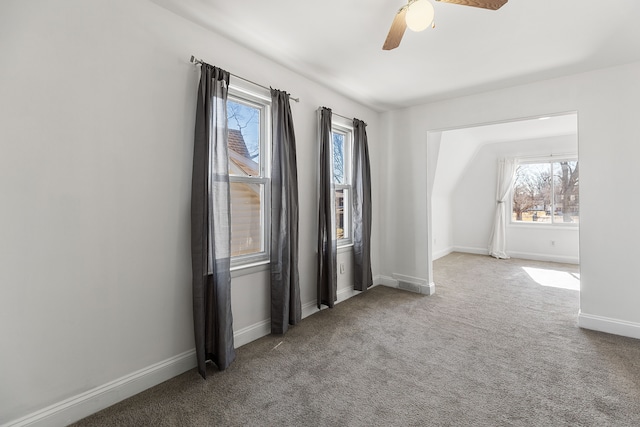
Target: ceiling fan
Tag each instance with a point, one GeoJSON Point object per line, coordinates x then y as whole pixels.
{"type": "Point", "coordinates": [418, 15]}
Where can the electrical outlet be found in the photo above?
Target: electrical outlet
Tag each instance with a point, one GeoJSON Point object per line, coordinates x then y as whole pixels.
{"type": "Point", "coordinates": [341, 268]}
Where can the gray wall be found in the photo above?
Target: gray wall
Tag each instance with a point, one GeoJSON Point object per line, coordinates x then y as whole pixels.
{"type": "Point", "coordinates": [606, 102]}
{"type": "Point", "coordinates": [477, 188]}
{"type": "Point", "coordinates": [97, 105]}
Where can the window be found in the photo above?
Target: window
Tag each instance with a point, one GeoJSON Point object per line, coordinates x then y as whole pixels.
{"type": "Point", "coordinates": [341, 144]}
{"type": "Point", "coordinates": [546, 192]}
{"type": "Point", "coordinates": [249, 133]}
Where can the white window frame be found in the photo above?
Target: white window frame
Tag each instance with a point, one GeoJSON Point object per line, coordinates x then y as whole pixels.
{"type": "Point", "coordinates": [539, 160]}
{"type": "Point", "coordinates": [346, 129]}
{"type": "Point", "coordinates": [260, 99]}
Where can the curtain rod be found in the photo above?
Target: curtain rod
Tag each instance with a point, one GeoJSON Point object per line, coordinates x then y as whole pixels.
{"type": "Point", "coordinates": [344, 117]}
{"type": "Point", "coordinates": [197, 61]}
{"type": "Point", "coordinates": [340, 115]}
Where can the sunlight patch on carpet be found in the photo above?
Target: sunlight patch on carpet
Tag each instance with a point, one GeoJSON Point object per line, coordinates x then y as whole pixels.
{"type": "Point", "coordinates": [554, 278]}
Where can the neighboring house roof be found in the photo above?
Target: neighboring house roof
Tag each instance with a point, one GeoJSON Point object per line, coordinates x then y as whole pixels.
{"type": "Point", "coordinates": [237, 144]}
{"type": "Point", "coordinates": [240, 162]}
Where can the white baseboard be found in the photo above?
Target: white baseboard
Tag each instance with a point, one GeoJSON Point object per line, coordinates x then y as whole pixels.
{"type": "Point", "coordinates": [385, 281]}
{"type": "Point", "coordinates": [343, 294]}
{"type": "Point", "coordinates": [94, 400]}
{"type": "Point", "coordinates": [544, 257]}
{"type": "Point", "coordinates": [391, 282]}
{"type": "Point", "coordinates": [251, 333]}
{"type": "Point", "coordinates": [471, 250]}
{"type": "Point", "coordinates": [409, 279]}
{"type": "Point", "coordinates": [521, 255]}
{"type": "Point", "coordinates": [441, 253]}
{"type": "Point", "coordinates": [428, 289]}
{"type": "Point", "coordinates": [421, 285]}
{"type": "Point", "coordinates": [309, 308]}
{"type": "Point", "coordinates": [609, 325]}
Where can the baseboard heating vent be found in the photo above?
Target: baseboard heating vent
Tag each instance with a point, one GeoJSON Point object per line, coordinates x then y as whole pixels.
{"type": "Point", "coordinates": [409, 286]}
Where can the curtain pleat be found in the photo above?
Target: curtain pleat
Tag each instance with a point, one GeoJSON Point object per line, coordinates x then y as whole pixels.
{"type": "Point", "coordinates": [286, 308]}
{"type": "Point", "coordinates": [361, 207]}
{"type": "Point", "coordinates": [211, 224]}
{"type": "Point", "coordinates": [327, 244]}
{"type": "Point", "coordinates": [498, 239]}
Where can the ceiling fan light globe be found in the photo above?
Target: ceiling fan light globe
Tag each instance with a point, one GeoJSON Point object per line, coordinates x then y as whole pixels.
{"type": "Point", "coordinates": [419, 15]}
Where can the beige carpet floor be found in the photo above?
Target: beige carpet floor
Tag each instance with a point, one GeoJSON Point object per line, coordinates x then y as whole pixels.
{"type": "Point", "coordinates": [492, 347]}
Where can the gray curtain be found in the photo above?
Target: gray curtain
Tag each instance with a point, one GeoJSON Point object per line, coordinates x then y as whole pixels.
{"type": "Point", "coordinates": [286, 308]}
{"type": "Point", "coordinates": [211, 224]}
{"type": "Point", "coordinates": [327, 245]}
{"type": "Point", "coordinates": [361, 207]}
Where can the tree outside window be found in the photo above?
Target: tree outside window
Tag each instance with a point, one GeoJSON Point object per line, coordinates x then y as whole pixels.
{"type": "Point", "coordinates": [546, 192]}
{"type": "Point", "coordinates": [341, 144]}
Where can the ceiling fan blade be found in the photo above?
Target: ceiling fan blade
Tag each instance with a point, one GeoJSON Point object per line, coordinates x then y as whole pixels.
{"type": "Point", "coordinates": [485, 4]}
{"type": "Point", "coordinates": [398, 27]}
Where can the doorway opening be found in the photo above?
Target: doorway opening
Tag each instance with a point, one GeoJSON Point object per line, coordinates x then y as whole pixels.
{"type": "Point", "coordinates": [461, 189]}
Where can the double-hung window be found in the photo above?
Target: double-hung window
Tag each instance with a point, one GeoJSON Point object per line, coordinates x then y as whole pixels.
{"type": "Point", "coordinates": [248, 119]}
{"type": "Point", "coordinates": [546, 192]}
{"type": "Point", "coordinates": [341, 141]}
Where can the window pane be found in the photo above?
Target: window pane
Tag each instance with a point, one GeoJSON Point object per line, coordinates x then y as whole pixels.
{"type": "Point", "coordinates": [566, 194]}
{"type": "Point", "coordinates": [338, 158]}
{"type": "Point", "coordinates": [342, 214]}
{"type": "Point", "coordinates": [246, 218]}
{"type": "Point", "coordinates": [532, 193]}
{"type": "Point", "coordinates": [244, 139]}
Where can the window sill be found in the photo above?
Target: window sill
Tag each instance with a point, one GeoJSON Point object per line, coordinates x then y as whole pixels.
{"type": "Point", "coordinates": [543, 226]}
{"type": "Point", "coordinates": [345, 248]}
{"type": "Point", "coordinates": [245, 269]}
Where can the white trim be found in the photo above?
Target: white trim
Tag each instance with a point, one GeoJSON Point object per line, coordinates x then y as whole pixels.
{"type": "Point", "coordinates": [309, 308]}
{"type": "Point", "coordinates": [260, 99]}
{"type": "Point", "coordinates": [551, 159]}
{"type": "Point", "coordinates": [244, 269]}
{"type": "Point", "coordinates": [343, 294]}
{"type": "Point", "coordinates": [441, 253]}
{"type": "Point", "coordinates": [346, 293]}
{"type": "Point", "coordinates": [470, 250]}
{"type": "Point", "coordinates": [522, 255]}
{"type": "Point", "coordinates": [545, 257]}
{"type": "Point", "coordinates": [385, 281]}
{"type": "Point", "coordinates": [428, 289]}
{"type": "Point", "coordinates": [251, 333]}
{"type": "Point", "coordinates": [84, 404]}
{"type": "Point", "coordinates": [609, 325]}
{"type": "Point", "coordinates": [392, 282]}
{"type": "Point", "coordinates": [410, 279]}
{"type": "Point", "coordinates": [345, 248]}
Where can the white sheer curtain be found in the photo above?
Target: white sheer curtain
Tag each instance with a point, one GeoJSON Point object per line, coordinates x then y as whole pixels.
{"type": "Point", "coordinates": [498, 240]}
{"type": "Point", "coordinates": [211, 224]}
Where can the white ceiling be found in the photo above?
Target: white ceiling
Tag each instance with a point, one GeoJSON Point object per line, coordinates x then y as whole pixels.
{"type": "Point", "coordinates": [338, 43]}
{"type": "Point", "coordinates": [458, 147]}
{"type": "Point", "coordinates": [516, 130]}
